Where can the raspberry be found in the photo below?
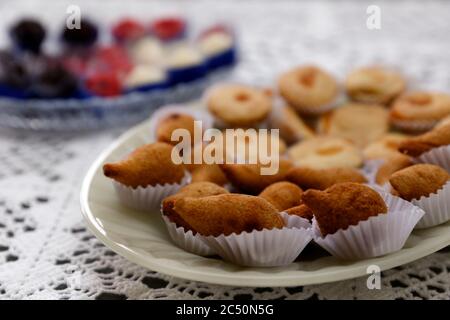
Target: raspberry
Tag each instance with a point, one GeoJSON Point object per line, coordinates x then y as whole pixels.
{"type": "Point", "coordinates": [105, 84]}
{"type": "Point", "coordinates": [168, 28]}
{"type": "Point", "coordinates": [128, 30]}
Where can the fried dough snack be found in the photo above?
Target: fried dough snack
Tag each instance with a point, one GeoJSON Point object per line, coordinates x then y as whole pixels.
{"type": "Point", "coordinates": [308, 178]}
{"type": "Point", "coordinates": [418, 180]}
{"type": "Point", "coordinates": [209, 172]}
{"type": "Point", "coordinates": [228, 213]}
{"type": "Point", "coordinates": [302, 211]}
{"type": "Point", "coordinates": [174, 121]}
{"type": "Point", "coordinates": [193, 190]}
{"type": "Point", "coordinates": [343, 205]}
{"type": "Point", "coordinates": [439, 136]}
{"type": "Point", "coordinates": [248, 178]}
{"type": "Point", "coordinates": [291, 125]}
{"type": "Point", "coordinates": [282, 195]}
{"type": "Point", "coordinates": [150, 164]}
{"type": "Point", "coordinates": [393, 164]}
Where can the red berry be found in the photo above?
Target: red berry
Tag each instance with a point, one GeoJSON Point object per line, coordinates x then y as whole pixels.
{"type": "Point", "coordinates": [213, 29]}
{"type": "Point", "coordinates": [105, 84]}
{"type": "Point", "coordinates": [113, 58]}
{"type": "Point", "coordinates": [168, 28]}
{"type": "Point", "coordinates": [128, 30]}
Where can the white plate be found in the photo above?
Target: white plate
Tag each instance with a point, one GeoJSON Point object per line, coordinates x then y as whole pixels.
{"type": "Point", "coordinates": [143, 239]}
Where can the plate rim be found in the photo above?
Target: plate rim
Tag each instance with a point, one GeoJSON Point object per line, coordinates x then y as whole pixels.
{"type": "Point", "coordinates": [241, 280]}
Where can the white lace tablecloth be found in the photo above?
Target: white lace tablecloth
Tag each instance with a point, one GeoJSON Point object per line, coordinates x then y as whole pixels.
{"type": "Point", "coordinates": [46, 251]}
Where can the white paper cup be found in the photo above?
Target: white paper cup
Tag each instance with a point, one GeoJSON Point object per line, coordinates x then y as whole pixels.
{"type": "Point", "coordinates": [439, 156]}
{"type": "Point", "coordinates": [265, 248]}
{"type": "Point", "coordinates": [436, 207]}
{"type": "Point", "coordinates": [293, 221]}
{"type": "Point", "coordinates": [150, 197]}
{"type": "Point", "coordinates": [376, 236]}
{"type": "Point", "coordinates": [161, 113]}
{"type": "Point", "coordinates": [370, 169]}
{"type": "Point", "coordinates": [187, 240]}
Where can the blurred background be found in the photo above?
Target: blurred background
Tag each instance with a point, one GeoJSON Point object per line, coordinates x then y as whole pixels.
{"type": "Point", "coordinates": [45, 249]}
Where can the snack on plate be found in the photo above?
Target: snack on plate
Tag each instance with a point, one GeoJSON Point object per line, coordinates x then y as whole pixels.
{"type": "Point", "coordinates": [148, 165]}
{"type": "Point", "coordinates": [282, 195]}
{"type": "Point", "coordinates": [308, 89]}
{"type": "Point", "coordinates": [343, 205]}
{"type": "Point", "coordinates": [359, 123]}
{"type": "Point", "coordinates": [390, 166]}
{"type": "Point", "coordinates": [418, 180]}
{"type": "Point", "coordinates": [171, 122]}
{"type": "Point", "coordinates": [419, 111]}
{"type": "Point", "coordinates": [209, 173]}
{"type": "Point", "coordinates": [248, 177]}
{"type": "Point", "coordinates": [292, 127]}
{"type": "Point", "coordinates": [325, 152]}
{"type": "Point", "coordinates": [385, 147]}
{"type": "Point", "coordinates": [321, 179]}
{"type": "Point", "coordinates": [193, 190]}
{"type": "Point", "coordinates": [416, 146]}
{"type": "Point", "coordinates": [302, 211]}
{"type": "Point", "coordinates": [238, 106]}
{"type": "Point", "coordinates": [374, 85]}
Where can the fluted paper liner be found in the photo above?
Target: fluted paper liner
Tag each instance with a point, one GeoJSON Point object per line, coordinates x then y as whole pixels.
{"type": "Point", "coordinates": [293, 221]}
{"type": "Point", "coordinates": [161, 113]}
{"type": "Point", "coordinates": [376, 236]}
{"type": "Point", "coordinates": [370, 169]}
{"type": "Point", "coordinates": [187, 240]}
{"type": "Point", "coordinates": [150, 197]}
{"type": "Point", "coordinates": [436, 207]}
{"type": "Point", "coordinates": [265, 248]}
{"type": "Point", "coordinates": [439, 156]}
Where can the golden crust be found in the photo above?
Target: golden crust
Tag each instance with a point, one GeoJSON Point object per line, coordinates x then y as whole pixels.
{"type": "Point", "coordinates": [174, 121]}
{"type": "Point", "coordinates": [302, 211]}
{"type": "Point", "coordinates": [307, 87]}
{"type": "Point", "coordinates": [418, 180]}
{"type": "Point", "coordinates": [374, 85]}
{"type": "Point", "coordinates": [193, 190]}
{"type": "Point", "coordinates": [385, 147]}
{"type": "Point", "coordinates": [209, 172]}
{"type": "Point", "coordinates": [148, 165]}
{"type": "Point", "coordinates": [343, 205]}
{"type": "Point", "coordinates": [325, 152]}
{"type": "Point", "coordinates": [228, 213]}
{"type": "Point", "coordinates": [321, 179]}
{"type": "Point", "coordinates": [390, 166]}
{"type": "Point", "coordinates": [248, 177]}
{"type": "Point", "coordinates": [439, 136]}
{"type": "Point", "coordinates": [421, 106]}
{"type": "Point", "coordinates": [239, 105]}
{"type": "Point", "coordinates": [282, 195]}
{"type": "Point", "coordinates": [291, 125]}
{"type": "Point", "coordinates": [359, 123]}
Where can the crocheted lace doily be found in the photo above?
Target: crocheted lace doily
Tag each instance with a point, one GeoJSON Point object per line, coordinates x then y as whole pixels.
{"type": "Point", "coordinates": [46, 251]}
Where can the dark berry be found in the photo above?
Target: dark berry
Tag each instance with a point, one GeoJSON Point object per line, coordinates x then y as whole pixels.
{"type": "Point", "coordinates": [105, 84]}
{"type": "Point", "coordinates": [85, 36]}
{"type": "Point", "coordinates": [168, 28]}
{"type": "Point", "coordinates": [128, 30]}
{"type": "Point", "coordinates": [28, 34]}
{"type": "Point", "coordinates": [13, 73]}
{"type": "Point", "coordinates": [55, 82]}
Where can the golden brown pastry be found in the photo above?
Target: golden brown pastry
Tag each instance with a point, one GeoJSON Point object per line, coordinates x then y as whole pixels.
{"type": "Point", "coordinates": [374, 85]}
{"type": "Point", "coordinates": [385, 147]}
{"type": "Point", "coordinates": [415, 146]}
{"type": "Point", "coordinates": [228, 213]}
{"type": "Point", "coordinates": [291, 126]}
{"type": "Point", "coordinates": [174, 121]}
{"type": "Point", "coordinates": [390, 166]}
{"type": "Point", "coordinates": [321, 179]}
{"type": "Point", "coordinates": [248, 177]}
{"type": "Point", "coordinates": [325, 152]}
{"type": "Point", "coordinates": [282, 195]}
{"type": "Point", "coordinates": [420, 106]}
{"type": "Point", "coordinates": [239, 105]}
{"type": "Point", "coordinates": [343, 205]}
{"type": "Point", "coordinates": [359, 123]}
{"type": "Point", "coordinates": [193, 190]}
{"type": "Point", "coordinates": [418, 180]}
{"type": "Point", "coordinates": [302, 211]}
{"type": "Point", "coordinates": [148, 165]}
{"type": "Point", "coordinates": [308, 88]}
{"type": "Point", "coordinates": [209, 172]}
